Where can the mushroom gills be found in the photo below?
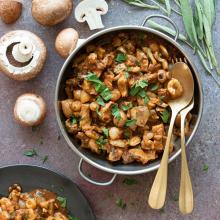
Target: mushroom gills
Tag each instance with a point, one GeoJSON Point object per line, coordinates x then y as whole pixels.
{"type": "Point", "coordinates": [91, 11]}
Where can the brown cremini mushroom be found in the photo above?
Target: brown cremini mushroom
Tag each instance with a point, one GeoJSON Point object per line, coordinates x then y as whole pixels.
{"type": "Point", "coordinates": [30, 109]}
{"type": "Point", "coordinates": [22, 55]}
{"type": "Point", "coordinates": [10, 11]}
{"type": "Point", "coordinates": [48, 12]}
{"type": "Point", "coordinates": [66, 42]}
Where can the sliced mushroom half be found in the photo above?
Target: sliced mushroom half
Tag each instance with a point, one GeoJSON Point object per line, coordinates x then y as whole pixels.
{"type": "Point", "coordinates": [91, 11]}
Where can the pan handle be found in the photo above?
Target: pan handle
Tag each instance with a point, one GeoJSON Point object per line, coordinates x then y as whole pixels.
{"type": "Point", "coordinates": [167, 19]}
{"type": "Point", "coordinates": [93, 181]}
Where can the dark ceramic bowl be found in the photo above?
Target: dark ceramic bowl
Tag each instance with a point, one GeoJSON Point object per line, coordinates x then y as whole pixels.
{"type": "Point", "coordinates": [33, 177]}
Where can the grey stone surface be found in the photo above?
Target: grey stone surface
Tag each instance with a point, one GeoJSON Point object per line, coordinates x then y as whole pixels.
{"type": "Point", "coordinates": [205, 148]}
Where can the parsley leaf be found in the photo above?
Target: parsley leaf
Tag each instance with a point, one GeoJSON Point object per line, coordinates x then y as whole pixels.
{"type": "Point", "coordinates": [126, 107]}
{"type": "Point", "coordinates": [73, 120]}
{"type": "Point", "coordinates": [120, 58]}
{"type": "Point", "coordinates": [205, 167]}
{"type": "Point", "coordinates": [62, 201]}
{"type": "Point", "coordinates": [100, 87]}
{"type": "Point", "coordinates": [98, 112]}
{"type": "Point", "coordinates": [120, 203]}
{"type": "Point", "coordinates": [101, 142]}
{"type": "Point", "coordinates": [127, 133]}
{"type": "Point", "coordinates": [137, 63]}
{"type": "Point", "coordinates": [100, 101]}
{"type": "Point", "coordinates": [130, 181]}
{"type": "Point", "coordinates": [138, 87]}
{"type": "Point", "coordinates": [116, 112]}
{"type": "Point", "coordinates": [105, 131]}
{"type": "Point", "coordinates": [129, 123]}
{"type": "Point", "coordinates": [45, 158]}
{"type": "Point", "coordinates": [72, 217]}
{"type": "Point", "coordinates": [146, 100]}
{"type": "Point", "coordinates": [126, 75]}
{"type": "Point", "coordinates": [153, 87]}
{"type": "Point", "coordinates": [31, 153]}
{"type": "Point", "coordinates": [165, 116]}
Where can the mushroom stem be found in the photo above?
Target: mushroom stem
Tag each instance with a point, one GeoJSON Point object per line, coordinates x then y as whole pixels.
{"type": "Point", "coordinates": [93, 19]}
{"type": "Point", "coordinates": [22, 52]}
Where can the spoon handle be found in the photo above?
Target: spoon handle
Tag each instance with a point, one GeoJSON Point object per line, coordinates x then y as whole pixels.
{"type": "Point", "coordinates": [158, 190]}
{"type": "Point", "coordinates": [186, 192]}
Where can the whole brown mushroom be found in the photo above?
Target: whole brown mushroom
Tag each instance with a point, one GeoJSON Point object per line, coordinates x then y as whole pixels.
{"type": "Point", "coordinates": [48, 12]}
{"type": "Point", "coordinates": [10, 11]}
{"type": "Point", "coordinates": [66, 42]}
{"type": "Point", "coordinates": [30, 109]}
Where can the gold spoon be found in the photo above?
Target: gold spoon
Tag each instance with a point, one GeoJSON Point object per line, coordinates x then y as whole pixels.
{"type": "Point", "coordinates": [181, 72]}
{"type": "Point", "coordinates": [186, 192]}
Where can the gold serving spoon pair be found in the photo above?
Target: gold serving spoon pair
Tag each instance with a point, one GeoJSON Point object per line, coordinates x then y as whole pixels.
{"type": "Point", "coordinates": [184, 105]}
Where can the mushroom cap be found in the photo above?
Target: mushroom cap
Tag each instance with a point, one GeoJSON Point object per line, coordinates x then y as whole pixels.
{"type": "Point", "coordinates": [66, 42]}
{"type": "Point", "coordinates": [30, 109]}
{"type": "Point", "coordinates": [34, 67]}
{"type": "Point", "coordinates": [10, 11]}
{"type": "Point", "coordinates": [51, 12]}
{"type": "Point", "coordinates": [100, 6]}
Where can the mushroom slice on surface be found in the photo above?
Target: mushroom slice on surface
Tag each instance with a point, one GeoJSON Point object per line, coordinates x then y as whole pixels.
{"type": "Point", "coordinates": [22, 55]}
{"type": "Point", "coordinates": [91, 11]}
{"type": "Point", "coordinates": [140, 114]}
{"type": "Point", "coordinates": [66, 42]}
{"type": "Point", "coordinates": [29, 110]}
{"type": "Point", "coordinates": [10, 11]}
{"type": "Point", "coordinates": [51, 12]}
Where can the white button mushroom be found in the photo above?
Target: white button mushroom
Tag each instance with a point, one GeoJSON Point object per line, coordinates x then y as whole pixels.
{"type": "Point", "coordinates": [51, 12]}
{"type": "Point", "coordinates": [22, 55]}
{"type": "Point", "coordinates": [91, 11]}
{"type": "Point", "coordinates": [10, 11]}
{"type": "Point", "coordinates": [66, 42]}
{"type": "Point", "coordinates": [29, 110]}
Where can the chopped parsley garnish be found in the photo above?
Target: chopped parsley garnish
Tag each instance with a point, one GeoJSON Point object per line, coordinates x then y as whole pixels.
{"type": "Point", "coordinates": [165, 116]}
{"type": "Point", "coordinates": [175, 197]}
{"type": "Point", "coordinates": [154, 87]}
{"type": "Point", "coordinates": [100, 87]}
{"type": "Point", "coordinates": [120, 203]}
{"type": "Point", "coordinates": [130, 181]}
{"type": "Point", "coordinates": [31, 153]}
{"type": "Point", "coordinates": [120, 58]}
{"type": "Point", "coordinates": [138, 87]}
{"type": "Point", "coordinates": [129, 123]}
{"type": "Point", "coordinates": [100, 101]}
{"type": "Point", "coordinates": [126, 107]}
{"type": "Point", "coordinates": [45, 158]}
{"type": "Point", "coordinates": [116, 112]}
{"type": "Point", "coordinates": [62, 201]}
{"type": "Point", "coordinates": [205, 167]}
{"type": "Point", "coordinates": [98, 112]}
{"type": "Point", "coordinates": [101, 141]}
{"type": "Point", "coordinates": [146, 100]}
{"type": "Point", "coordinates": [73, 120]}
{"type": "Point", "coordinates": [106, 131]}
{"type": "Point", "coordinates": [72, 217]}
{"type": "Point", "coordinates": [137, 63]}
{"type": "Point", "coordinates": [129, 69]}
{"type": "Point", "coordinates": [126, 75]}
{"type": "Point", "coordinates": [127, 133]}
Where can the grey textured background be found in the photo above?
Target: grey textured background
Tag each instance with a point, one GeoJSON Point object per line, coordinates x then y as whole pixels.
{"type": "Point", "coordinates": [205, 148]}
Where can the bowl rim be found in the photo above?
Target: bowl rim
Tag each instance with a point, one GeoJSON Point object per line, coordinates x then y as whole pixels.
{"type": "Point", "coordinates": [82, 43]}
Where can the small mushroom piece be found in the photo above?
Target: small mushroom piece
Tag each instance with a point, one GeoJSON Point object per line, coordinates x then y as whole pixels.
{"type": "Point", "coordinates": [91, 11]}
{"type": "Point", "coordinates": [66, 42]}
{"type": "Point", "coordinates": [22, 55]}
{"type": "Point", "coordinates": [10, 11]}
{"type": "Point", "coordinates": [30, 109]}
{"type": "Point", "coordinates": [48, 12]}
